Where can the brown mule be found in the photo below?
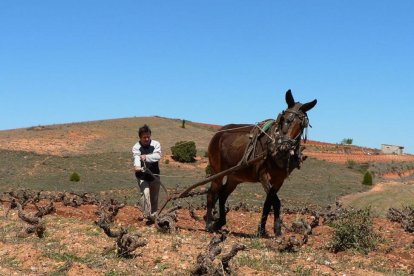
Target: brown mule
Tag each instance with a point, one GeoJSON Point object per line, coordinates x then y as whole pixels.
{"type": "Point", "coordinates": [279, 143]}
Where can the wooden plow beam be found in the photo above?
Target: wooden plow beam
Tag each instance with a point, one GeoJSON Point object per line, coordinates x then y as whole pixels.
{"type": "Point", "coordinates": [209, 179]}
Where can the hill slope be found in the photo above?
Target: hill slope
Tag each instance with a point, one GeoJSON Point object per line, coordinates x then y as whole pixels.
{"type": "Point", "coordinates": [117, 135]}
{"type": "Point", "coordinates": [43, 157]}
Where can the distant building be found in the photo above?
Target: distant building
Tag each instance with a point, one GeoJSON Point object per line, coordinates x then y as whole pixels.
{"type": "Point", "coordinates": [392, 149]}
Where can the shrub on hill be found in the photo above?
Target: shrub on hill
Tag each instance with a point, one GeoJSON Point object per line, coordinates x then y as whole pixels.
{"type": "Point", "coordinates": [184, 151]}
{"type": "Point", "coordinates": [367, 178]}
{"type": "Point", "coordinates": [347, 141]}
{"type": "Point", "coordinates": [74, 177]}
{"type": "Point", "coordinates": [350, 164]}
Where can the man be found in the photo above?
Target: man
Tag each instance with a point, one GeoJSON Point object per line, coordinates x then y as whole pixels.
{"type": "Point", "coordinates": [147, 154]}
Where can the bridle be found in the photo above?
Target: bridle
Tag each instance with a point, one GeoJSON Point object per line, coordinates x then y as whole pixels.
{"type": "Point", "coordinates": [282, 147]}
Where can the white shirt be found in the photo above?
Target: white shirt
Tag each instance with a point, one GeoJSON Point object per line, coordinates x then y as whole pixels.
{"type": "Point", "coordinates": [154, 156]}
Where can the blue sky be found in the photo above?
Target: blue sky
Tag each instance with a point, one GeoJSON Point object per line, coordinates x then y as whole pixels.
{"type": "Point", "coordinates": [214, 61]}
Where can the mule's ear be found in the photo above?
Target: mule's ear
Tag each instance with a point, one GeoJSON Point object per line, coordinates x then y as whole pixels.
{"type": "Point", "coordinates": [308, 106]}
{"type": "Point", "coordinates": [289, 99]}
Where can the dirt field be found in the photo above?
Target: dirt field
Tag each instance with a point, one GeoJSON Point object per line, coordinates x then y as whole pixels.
{"type": "Point", "coordinates": [73, 245]}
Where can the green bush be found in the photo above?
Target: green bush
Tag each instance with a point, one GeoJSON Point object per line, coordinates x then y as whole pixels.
{"type": "Point", "coordinates": [354, 230]}
{"type": "Point", "coordinates": [350, 164]}
{"type": "Point", "coordinates": [209, 171]}
{"type": "Point", "coordinates": [367, 178]}
{"type": "Point", "coordinates": [74, 177]}
{"type": "Point", "coordinates": [184, 151]}
{"type": "Point", "coordinates": [347, 141]}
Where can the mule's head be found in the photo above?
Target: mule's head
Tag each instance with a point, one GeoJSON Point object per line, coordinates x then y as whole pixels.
{"type": "Point", "coordinates": [291, 124]}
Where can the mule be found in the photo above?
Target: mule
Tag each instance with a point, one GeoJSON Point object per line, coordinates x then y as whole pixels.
{"type": "Point", "coordinates": [279, 143]}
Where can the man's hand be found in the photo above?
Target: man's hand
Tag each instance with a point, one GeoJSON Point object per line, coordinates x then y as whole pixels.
{"type": "Point", "coordinates": [138, 169]}
{"type": "Point", "coordinates": [143, 157]}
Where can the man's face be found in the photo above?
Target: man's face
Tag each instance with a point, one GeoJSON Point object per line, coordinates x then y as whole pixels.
{"type": "Point", "coordinates": [145, 138]}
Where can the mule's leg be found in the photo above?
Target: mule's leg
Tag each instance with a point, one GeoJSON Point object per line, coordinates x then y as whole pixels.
{"type": "Point", "coordinates": [264, 179]}
{"type": "Point", "coordinates": [212, 197]}
{"type": "Point", "coordinates": [277, 226]}
{"type": "Point", "coordinates": [224, 193]}
{"type": "Point", "coordinates": [265, 213]}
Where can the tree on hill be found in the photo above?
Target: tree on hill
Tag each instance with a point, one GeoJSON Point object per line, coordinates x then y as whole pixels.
{"type": "Point", "coordinates": [347, 141]}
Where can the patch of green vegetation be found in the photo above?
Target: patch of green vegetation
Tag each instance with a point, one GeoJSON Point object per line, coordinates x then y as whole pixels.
{"type": "Point", "coordinates": [9, 227]}
{"type": "Point", "coordinates": [208, 170]}
{"type": "Point", "coordinates": [184, 151]}
{"type": "Point", "coordinates": [114, 272]}
{"type": "Point", "coordinates": [10, 261]}
{"type": "Point", "coordinates": [74, 177]}
{"type": "Point", "coordinates": [64, 257]}
{"type": "Point", "coordinates": [347, 141]}
{"type": "Point", "coordinates": [302, 271]}
{"type": "Point", "coordinates": [367, 180]}
{"type": "Point", "coordinates": [157, 260]}
{"type": "Point", "coordinates": [58, 273]}
{"type": "Point", "coordinates": [350, 164]}
{"type": "Point", "coordinates": [354, 230]}
{"type": "Point", "coordinates": [252, 262]}
{"type": "Point", "coordinates": [256, 243]}
{"type": "Point", "coordinates": [176, 243]}
{"type": "Point", "coordinates": [261, 262]}
{"type": "Point", "coordinates": [93, 231]}
{"type": "Point", "coordinates": [160, 267]}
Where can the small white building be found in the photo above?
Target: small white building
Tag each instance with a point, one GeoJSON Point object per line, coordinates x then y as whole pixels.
{"type": "Point", "coordinates": [392, 149]}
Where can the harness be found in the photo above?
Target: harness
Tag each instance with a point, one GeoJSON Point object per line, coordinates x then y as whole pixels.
{"type": "Point", "coordinates": [279, 147]}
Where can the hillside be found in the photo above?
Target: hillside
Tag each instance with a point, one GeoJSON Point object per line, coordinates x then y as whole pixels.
{"type": "Point", "coordinates": [117, 135]}
{"type": "Point", "coordinates": [42, 158]}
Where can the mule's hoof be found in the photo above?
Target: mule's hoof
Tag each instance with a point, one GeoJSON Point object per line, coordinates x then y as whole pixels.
{"type": "Point", "coordinates": [277, 228]}
{"type": "Point", "coordinates": [278, 232]}
{"type": "Point", "coordinates": [210, 227]}
{"type": "Point", "coordinates": [262, 233]}
{"type": "Point", "coordinates": [218, 225]}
